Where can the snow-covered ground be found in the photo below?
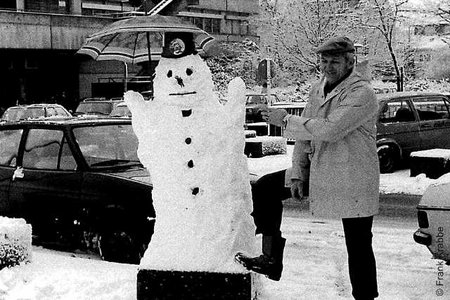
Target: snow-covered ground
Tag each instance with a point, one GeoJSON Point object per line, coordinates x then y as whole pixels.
{"type": "Point", "coordinates": [315, 260]}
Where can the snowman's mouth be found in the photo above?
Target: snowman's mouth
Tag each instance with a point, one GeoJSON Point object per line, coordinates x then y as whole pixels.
{"type": "Point", "coordinates": [181, 94]}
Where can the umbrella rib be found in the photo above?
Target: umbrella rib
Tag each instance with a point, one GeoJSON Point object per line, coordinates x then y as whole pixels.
{"type": "Point", "coordinates": [135, 45]}
{"type": "Point", "coordinates": [107, 44]}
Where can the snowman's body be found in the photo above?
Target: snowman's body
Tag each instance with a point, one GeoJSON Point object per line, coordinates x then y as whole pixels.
{"type": "Point", "coordinates": [193, 148]}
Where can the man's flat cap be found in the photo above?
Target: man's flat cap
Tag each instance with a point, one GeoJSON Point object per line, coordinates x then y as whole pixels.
{"type": "Point", "coordinates": [336, 45]}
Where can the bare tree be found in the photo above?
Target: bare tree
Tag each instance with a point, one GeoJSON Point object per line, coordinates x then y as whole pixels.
{"type": "Point", "coordinates": [292, 29]}
{"type": "Point", "coordinates": [383, 16]}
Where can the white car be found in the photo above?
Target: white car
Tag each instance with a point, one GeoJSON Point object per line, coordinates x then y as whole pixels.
{"type": "Point", "coordinates": [34, 111]}
{"type": "Point", "coordinates": [434, 219]}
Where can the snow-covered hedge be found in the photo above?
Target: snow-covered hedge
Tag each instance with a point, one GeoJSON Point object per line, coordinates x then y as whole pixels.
{"type": "Point", "coordinates": [265, 145]}
{"type": "Point", "coordinates": [15, 242]}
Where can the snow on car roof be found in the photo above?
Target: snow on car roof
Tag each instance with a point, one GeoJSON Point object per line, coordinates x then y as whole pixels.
{"type": "Point", "coordinates": [71, 121]}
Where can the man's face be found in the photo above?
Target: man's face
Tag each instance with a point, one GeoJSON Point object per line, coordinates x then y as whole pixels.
{"type": "Point", "coordinates": [334, 66]}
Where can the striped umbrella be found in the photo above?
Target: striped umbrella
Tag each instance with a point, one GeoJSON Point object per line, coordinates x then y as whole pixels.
{"type": "Point", "coordinates": [139, 39]}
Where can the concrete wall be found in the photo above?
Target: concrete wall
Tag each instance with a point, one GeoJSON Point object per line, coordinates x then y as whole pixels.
{"type": "Point", "coordinates": [247, 6]}
{"type": "Point", "coordinates": [19, 30]}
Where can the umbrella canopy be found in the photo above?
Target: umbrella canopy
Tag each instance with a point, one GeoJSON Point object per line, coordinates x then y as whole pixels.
{"type": "Point", "coordinates": [139, 39]}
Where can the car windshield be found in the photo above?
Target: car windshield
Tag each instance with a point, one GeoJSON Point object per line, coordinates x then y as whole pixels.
{"type": "Point", "coordinates": [108, 145]}
{"type": "Point", "coordinates": [103, 108]}
{"type": "Point", "coordinates": [34, 113]}
{"type": "Point", "coordinates": [14, 114]}
{"type": "Point", "coordinates": [121, 111]}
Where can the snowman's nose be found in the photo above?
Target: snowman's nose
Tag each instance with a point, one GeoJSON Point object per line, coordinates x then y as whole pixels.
{"type": "Point", "coordinates": [179, 81]}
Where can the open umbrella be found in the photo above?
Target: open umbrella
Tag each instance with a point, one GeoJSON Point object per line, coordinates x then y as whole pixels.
{"type": "Point", "coordinates": [139, 39]}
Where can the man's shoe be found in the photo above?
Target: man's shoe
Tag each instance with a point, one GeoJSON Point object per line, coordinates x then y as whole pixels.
{"type": "Point", "coordinates": [262, 264]}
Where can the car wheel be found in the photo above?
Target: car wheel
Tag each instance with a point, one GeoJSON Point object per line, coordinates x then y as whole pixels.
{"type": "Point", "coordinates": [388, 159]}
{"type": "Point", "coordinates": [120, 246]}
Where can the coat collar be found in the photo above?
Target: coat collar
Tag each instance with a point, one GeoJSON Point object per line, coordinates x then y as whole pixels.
{"type": "Point", "coordinates": [353, 77]}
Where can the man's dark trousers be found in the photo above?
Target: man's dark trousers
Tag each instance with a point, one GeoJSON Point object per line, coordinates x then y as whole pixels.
{"type": "Point", "coordinates": [361, 260]}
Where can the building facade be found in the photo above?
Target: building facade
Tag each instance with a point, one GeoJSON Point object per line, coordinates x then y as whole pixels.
{"type": "Point", "coordinates": [39, 39]}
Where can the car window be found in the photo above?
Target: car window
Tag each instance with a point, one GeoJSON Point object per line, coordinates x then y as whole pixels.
{"type": "Point", "coordinates": [107, 145]}
{"type": "Point", "coordinates": [34, 113]}
{"type": "Point", "coordinates": [51, 112]}
{"type": "Point", "coordinates": [272, 99]}
{"type": "Point", "coordinates": [9, 145]}
{"type": "Point", "coordinates": [431, 109]}
{"type": "Point", "coordinates": [61, 112]}
{"type": "Point", "coordinates": [396, 111]}
{"type": "Point", "coordinates": [256, 99]}
{"type": "Point", "coordinates": [14, 114]}
{"type": "Point", "coordinates": [47, 149]}
{"type": "Point", "coordinates": [103, 108]}
{"type": "Point", "coordinates": [121, 111]}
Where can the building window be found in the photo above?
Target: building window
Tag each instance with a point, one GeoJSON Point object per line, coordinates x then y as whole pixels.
{"type": "Point", "coordinates": [215, 26]}
{"type": "Point", "coordinates": [198, 22]}
{"type": "Point", "coordinates": [209, 25]}
{"type": "Point", "coordinates": [8, 4]}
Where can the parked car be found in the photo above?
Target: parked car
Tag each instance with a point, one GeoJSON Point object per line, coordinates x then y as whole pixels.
{"type": "Point", "coordinates": [96, 107]}
{"type": "Point", "coordinates": [121, 110]}
{"type": "Point", "coordinates": [252, 103]}
{"type": "Point", "coordinates": [34, 111]}
{"type": "Point", "coordinates": [411, 121]}
{"type": "Point", "coordinates": [79, 183]}
{"type": "Point", "coordinates": [434, 221]}
{"type": "Point", "coordinates": [272, 100]}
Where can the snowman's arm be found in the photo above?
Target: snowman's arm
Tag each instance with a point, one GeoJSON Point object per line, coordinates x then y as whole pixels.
{"type": "Point", "coordinates": [134, 100]}
{"type": "Point", "coordinates": [138, 108]}
{"type": "Point", "coordinates": [235, 104]}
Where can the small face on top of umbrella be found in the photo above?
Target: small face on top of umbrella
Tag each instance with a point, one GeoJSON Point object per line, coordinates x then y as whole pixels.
{"type": "Point", "coordinates": [178, 44]}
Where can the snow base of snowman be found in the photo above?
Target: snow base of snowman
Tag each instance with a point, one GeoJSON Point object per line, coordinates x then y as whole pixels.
{"type": "Point", "coordinates": [160, 284]}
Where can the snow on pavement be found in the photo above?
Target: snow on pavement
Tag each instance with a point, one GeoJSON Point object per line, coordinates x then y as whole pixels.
{"type": "Point", "coordinates": [315, 267]}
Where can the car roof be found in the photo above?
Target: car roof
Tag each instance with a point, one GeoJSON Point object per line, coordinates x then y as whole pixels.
{"type": "Point", "coordinates": [35, 105]}
{"type": "Point", "coordinates": [68, 121]}
{"type": "Point", "coordinates": [406, 94]}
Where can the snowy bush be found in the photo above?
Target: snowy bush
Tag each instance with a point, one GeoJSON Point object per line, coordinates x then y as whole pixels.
{"type": "Point", "coordinates": [15, 242]}
{"type": "Point", "coordinates": [266, 145]}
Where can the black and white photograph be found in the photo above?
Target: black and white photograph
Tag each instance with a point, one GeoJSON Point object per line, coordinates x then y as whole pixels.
{"type": "Point", "coordinates": [224, 149]}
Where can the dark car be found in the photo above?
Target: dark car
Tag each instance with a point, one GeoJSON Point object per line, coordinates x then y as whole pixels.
{"type": "Point", "coordinates": [79, 183]}
{"type": "Point", "coordinates": [96, 107]}
{"type": "Point", "coordinates": [411, 121]}
{"type": "Point", "coordinates": [252, 103]}
{"type": "Point", "coordinates": [34, 111]}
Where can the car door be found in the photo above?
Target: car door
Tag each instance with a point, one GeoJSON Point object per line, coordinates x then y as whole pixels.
{"type": "Point", "coordinates": [9, 149]}
{"type": "Point", "coordinates": [47, 191]}
{"type": "Point", "coordinates": [397, 122]}
{"type": "Point", "coordinates": [434, 121]}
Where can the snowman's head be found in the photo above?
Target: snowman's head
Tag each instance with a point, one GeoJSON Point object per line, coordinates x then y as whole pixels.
{"type": "Point", "coordinates": [185, 82]}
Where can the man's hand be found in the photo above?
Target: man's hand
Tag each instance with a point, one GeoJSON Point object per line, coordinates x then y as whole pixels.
{"type": "Point", "coordinates": [297, 189]}
{"type": "Point", "coordinates": [274, 116]}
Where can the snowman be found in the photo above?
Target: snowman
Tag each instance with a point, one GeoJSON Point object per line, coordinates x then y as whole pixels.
{"type": "Point", "coordinates": [193, 147]}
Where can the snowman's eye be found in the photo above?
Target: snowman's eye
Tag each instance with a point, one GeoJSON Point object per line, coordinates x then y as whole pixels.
{"type": "Point", "coordinates": [169, 74]}
{"type": "Point", "coordinates": [189, 71]}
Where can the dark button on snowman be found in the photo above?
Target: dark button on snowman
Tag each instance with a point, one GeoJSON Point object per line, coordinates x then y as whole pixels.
{"type": "Point", "coordinates": [193, 148]}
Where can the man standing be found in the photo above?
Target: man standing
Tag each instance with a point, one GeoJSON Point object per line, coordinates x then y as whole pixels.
{"type": "Point", "coordinates": [335, 151]}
